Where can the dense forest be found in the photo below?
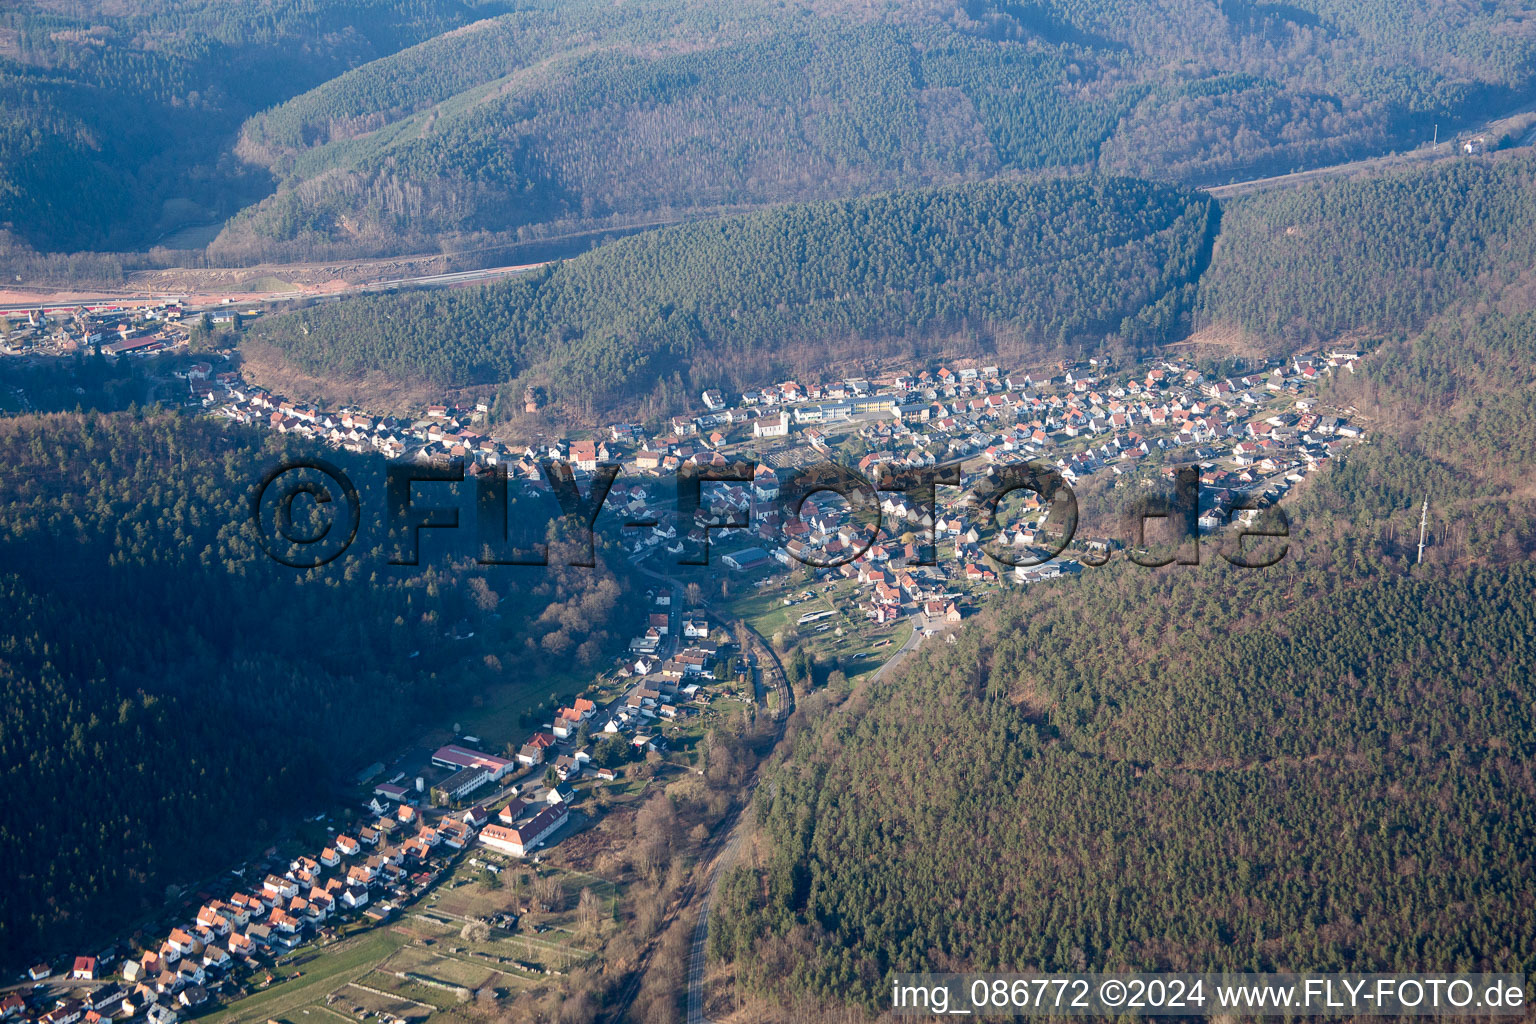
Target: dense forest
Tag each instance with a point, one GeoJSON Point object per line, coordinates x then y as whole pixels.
{"type": "Point", "coordinates": [791, 108]}
{"type": "Point", "coordinates": [402, 125]}
{"type": "Point", "coordinates": [164, 680]}
{"type": "Point", "coordinates": [720, 301]}
{"type": "Point", "coordinates": [1166, 772]}
{"type": "Point", "coordinates": [1323, 765]}
{"type": "Point", "coordinates": [554, 119]}
{"type": "Point", "coordinates": [117, 122]}
{"type": "Point", "coordinates": [1302, 266]}
{"type": "Point", "coordinates": [1458, 406]}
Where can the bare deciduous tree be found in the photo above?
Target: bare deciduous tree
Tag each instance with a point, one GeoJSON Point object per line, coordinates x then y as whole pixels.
{"type": "Point", "coordinates": [589, 912]}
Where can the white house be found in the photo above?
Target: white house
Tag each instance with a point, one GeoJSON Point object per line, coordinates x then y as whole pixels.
{"type": "Point", "coordinates": [519, 840]}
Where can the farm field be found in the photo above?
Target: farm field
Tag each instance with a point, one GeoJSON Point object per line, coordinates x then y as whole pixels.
{"type": "Point", "coordinates": [324, 971]}
{"type": "Point", "coordinates": [428, 963]}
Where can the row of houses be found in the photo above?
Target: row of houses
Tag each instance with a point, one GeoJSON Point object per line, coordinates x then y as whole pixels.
{"type": "Point", "coordinates": [363, 873]}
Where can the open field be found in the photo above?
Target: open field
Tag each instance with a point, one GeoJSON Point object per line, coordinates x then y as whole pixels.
{"type": "Point", "coordinates": [866, 652]}
{"type": "Point", "coordinates": [331, 968]}
{"type": "Point", "coordinates": [765, 611]}
{"type": "Point", "coordinates": [500, 714]}
{"type": "Point", "coordinates": [860, 650]}
{"type": "Point", "coordinates": [467, 895]}
{"type": "Point", "coordinates": [373, 999]}
{"type": "Point", "coordinates": [452, 969]}
{"type": "Point", "coordinates": [403, 988]}
{"type": "Point", "coordinates": [861, 647]}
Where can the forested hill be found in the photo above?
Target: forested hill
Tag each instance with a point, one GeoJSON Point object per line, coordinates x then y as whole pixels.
{"type": "Point", "coordinates": [1323, 765]}
{"type": "Point", "coordinates": [169, 697]}
{"type": "Point", "coordinates": [1180, 771]}
{"type": "Point", "coordinates": [584, 113]}
{"type": "Point", "coordinates": [1017, 268]}
{"type": "Point", "coordinates": [727, 301]}
{"type": "Point", "coordinates": [117, 121]}
{"type": "Point", "coordinates": [1304, 266]}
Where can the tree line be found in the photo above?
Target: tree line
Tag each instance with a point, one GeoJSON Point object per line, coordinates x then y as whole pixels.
{"type": "Point", "coordinates": [1299, 266]}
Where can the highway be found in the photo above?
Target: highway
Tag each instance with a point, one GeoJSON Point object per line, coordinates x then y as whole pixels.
{"type": "Point", "coordinates": [232, 301]}
{"type": "Point", "coordinates": [449, 280]}
{"type": "Point", "coordinates": [1445, 150]}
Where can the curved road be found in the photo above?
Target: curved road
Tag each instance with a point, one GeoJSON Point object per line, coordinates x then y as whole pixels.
{"type": "Point", "coordinates": [769, 663]}
{"type": "Point", "coordinates": [726, 842]}
{"type": "Point", "coordinates": [775, 676]}
{"type": "Point", "coordinates": [698, 959]}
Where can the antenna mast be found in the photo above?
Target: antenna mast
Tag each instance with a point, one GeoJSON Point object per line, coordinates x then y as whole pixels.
{"type": "Point", "coordinates": [1423, 522]}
